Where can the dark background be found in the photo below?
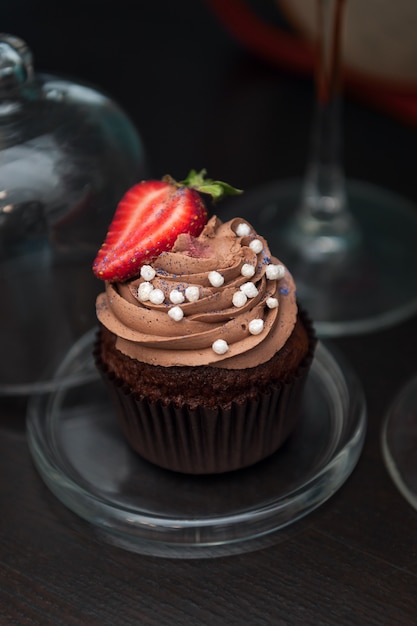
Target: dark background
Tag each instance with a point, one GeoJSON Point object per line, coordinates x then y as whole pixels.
{"type": "Point", "coordinates": [199, 99]}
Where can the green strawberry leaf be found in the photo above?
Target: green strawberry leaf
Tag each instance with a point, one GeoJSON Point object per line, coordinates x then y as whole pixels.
{"type": "Point", "coordinates": [215, 188]}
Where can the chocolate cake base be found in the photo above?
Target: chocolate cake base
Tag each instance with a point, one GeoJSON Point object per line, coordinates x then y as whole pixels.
{"type": "Point", "coordinates": [203, 420]}
{"type": "Point", "coordinates": [205, 385]}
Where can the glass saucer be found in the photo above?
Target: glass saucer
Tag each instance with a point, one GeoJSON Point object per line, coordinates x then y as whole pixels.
{"type": "Point", "coordinates": [78, 450]}
{"type": "Point", "coordinates": [399, 441]}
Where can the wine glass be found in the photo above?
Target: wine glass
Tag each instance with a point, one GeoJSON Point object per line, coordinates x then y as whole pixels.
{"type": "Point", "coordinates": [399, 441]}
{"type": "Point", "coordinates": [350, 245]}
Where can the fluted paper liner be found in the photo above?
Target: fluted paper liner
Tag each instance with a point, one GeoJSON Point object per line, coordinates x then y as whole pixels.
{"type": "Point", "coordinates": [208, 441]}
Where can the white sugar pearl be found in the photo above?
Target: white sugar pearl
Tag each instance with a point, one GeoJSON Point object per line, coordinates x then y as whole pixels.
{"type": "Point", "coordinates": [275, 272]}
{"type": "Point", "coordinates": [249, 289]}
{"type": "Point", "coordinates": [243, 230]}
{"type": "Point", "coordinates": [256, 326]}
{"type": "Point", "coordinates": [144, 291]}
{"type": "Point", "coordinates": [215, 279]}
{"type": "Point", "coordinates": [176, 296]}
{"type": "Point", "coordinates": [176, 313]}
{"type": "Point", "coordinates": [247, 270]}
{"type": "Point", "coordinates": [220, 346]}
{"type": "Point", "coordinates": [147, 272]}
{"type": "Point", "coordinates": [272, 303]}
{"type": "Point", "coordinates": [192, 294]}
{"type": "Point", "coordinates": [157, 296]}
{"type": "Point", "coordinates": [239, 299]}
{"type": "Point", "coordinates": [256, 245]}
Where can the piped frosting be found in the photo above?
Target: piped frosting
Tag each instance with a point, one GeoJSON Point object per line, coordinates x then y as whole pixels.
{"type": "Point", "coordinates": [212, 324]}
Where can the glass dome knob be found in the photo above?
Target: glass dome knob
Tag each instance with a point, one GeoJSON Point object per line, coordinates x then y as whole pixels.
{"type": "Point", "coordinates": [16, 63]}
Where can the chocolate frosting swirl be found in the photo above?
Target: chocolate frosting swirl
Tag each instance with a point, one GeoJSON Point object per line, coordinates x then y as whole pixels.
{"type": "Point", "coordinates": [147, 333]}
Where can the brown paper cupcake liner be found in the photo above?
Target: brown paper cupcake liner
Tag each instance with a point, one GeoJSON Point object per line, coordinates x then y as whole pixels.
{"type": "Point", "coordinates": [209, 441]}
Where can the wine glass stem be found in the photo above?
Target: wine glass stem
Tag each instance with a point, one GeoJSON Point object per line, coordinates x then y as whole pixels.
{"type": "Point", "coordinates": [324, 207]}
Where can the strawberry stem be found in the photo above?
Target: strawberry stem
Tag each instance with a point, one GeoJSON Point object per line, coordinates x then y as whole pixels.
{"type": "Point", "coordinates": [215, 188]}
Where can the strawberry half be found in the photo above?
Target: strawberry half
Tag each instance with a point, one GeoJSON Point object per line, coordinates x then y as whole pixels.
{"type": "Point", "coordinates": [148, 220]}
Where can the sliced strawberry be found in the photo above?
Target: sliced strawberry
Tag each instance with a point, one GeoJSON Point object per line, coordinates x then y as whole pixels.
{"type": "Point", "coordinates": [149, 219]}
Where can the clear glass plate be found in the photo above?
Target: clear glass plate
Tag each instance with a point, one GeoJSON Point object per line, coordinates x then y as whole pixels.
{"type": "Point", "coordinates": [399, 441]}
{"type": "Point", "coordinates": [81, 455]}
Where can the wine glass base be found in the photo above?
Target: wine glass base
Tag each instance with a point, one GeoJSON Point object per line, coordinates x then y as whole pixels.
{"type": "Point", "coordinates": [399, 441]}
{"type": "Point", "coordinates": [368, 288]}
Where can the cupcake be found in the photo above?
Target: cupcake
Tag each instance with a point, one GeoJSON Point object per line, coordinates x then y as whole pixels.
{"type": "Point", "coordinates": [201, 343]}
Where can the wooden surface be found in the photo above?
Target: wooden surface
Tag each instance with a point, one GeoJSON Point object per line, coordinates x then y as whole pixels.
{"type": "Point", "coordinates": [199, 100]}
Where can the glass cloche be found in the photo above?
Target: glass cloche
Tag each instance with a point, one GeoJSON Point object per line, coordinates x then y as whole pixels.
{"type": "Point", "coordinates": [67, 155]}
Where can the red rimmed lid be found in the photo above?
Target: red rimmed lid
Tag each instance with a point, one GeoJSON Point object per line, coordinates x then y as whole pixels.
{"type": "Point", "coordinates": [380, 47]}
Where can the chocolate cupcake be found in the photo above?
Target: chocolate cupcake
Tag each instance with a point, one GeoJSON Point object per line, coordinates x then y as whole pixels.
{"type": "Point", "coordinates": [201, 343]}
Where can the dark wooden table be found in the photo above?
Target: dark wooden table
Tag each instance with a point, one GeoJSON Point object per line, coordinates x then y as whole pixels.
{"type": "Point", "coordinates": [200, 100]}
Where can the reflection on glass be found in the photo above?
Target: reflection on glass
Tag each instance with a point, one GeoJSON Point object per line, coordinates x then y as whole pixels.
{"type": "Point", "coordinates": [67, 155]}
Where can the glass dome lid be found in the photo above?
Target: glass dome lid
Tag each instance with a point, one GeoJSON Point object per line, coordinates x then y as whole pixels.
{"type": "Point", "coordinates": [67, 155]}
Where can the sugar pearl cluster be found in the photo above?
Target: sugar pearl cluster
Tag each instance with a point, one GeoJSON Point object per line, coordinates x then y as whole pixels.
{"type": "Point", "coordinates": [147, 292]}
